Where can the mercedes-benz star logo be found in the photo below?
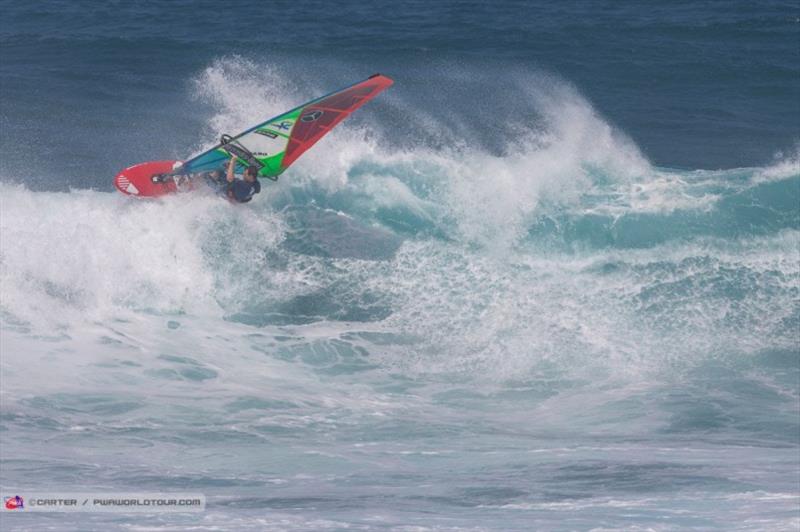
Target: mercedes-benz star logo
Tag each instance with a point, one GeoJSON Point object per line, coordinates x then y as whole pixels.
{"type": "Point", "coordinates": [311, 115]}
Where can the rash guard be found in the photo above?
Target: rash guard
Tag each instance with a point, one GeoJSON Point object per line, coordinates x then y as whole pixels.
{"type": "Point", "coordinates": [242, 191]}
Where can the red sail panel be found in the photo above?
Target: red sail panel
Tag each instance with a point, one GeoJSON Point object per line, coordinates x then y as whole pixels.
{"type": "Point", "coordinates": [321, 116]}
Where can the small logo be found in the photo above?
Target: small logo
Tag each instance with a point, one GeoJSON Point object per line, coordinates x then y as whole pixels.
{"type": "Point", "coordinates": [311, 116]}
{"type": "Point", "coordinates": [282, 125]}
{"type": "Point", "coordinates": [14, 503]}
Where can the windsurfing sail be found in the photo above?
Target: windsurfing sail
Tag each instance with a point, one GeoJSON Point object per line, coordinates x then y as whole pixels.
{"type": "Point", "coordinates": [272, 146]}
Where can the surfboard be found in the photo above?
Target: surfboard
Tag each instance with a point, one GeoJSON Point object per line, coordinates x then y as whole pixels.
{"type": "Point", "coordinates": [271, 146]}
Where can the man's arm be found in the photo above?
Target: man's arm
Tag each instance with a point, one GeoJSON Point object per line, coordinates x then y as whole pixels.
{"type": "Point", "coordinates": [231, 167]}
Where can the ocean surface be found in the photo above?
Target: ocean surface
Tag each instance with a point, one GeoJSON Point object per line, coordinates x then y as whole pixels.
{"type": "Point", "coordinates": [549, 280]}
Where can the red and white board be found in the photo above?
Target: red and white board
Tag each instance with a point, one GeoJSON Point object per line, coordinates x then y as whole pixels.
{"type": "Point", "coordinates": [137, 180]}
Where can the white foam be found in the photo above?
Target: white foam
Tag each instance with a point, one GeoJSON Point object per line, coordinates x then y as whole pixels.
{"type": "Point", "coordinates": [80, 255]}
{"type": "Point", "coordinates": [787, 166]}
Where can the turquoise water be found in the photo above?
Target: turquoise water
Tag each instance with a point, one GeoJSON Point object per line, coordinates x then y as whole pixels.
{"type": "Point", "coordinates": [517, 291]}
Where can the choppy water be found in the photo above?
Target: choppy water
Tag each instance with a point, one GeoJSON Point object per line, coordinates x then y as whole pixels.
{"type": "Point", "coordinates": [514, 292]}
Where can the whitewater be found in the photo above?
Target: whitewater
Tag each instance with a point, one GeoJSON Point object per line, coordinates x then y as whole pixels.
{"type": "Point", "coordinates": [535, 328]}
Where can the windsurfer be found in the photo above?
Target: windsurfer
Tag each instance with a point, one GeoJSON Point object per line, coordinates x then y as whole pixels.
{"type": "Point", "coordinates": [242, 190]}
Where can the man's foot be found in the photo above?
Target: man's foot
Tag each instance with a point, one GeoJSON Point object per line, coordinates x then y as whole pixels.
{"type": "Point", "coordinates": [161, 178]}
